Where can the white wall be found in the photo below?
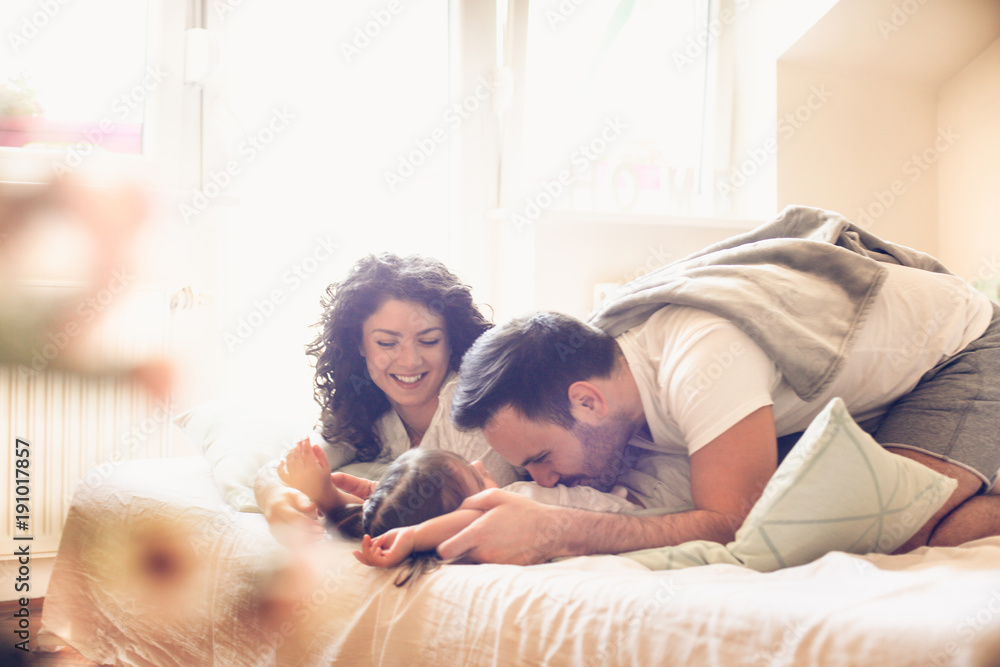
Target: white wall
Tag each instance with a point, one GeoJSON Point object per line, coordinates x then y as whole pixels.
{"type": "Point", "coordinates": [762, 32]}
{"type": "Point", "coordinates": [968, 193]}
{"type": "Point", "coordinates": [579, 254]}
{"type": "Point", "coordinates": [561, 259]}
{"type": "Point", "coordinates": [901, 143]}
{"type": "Point", "coordinates": [855, 144]}
{"type": "Point", "coordinates": [344, 113]}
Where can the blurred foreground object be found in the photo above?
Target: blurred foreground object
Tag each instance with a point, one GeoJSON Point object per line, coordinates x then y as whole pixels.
{"type": "Point", "coordinates": [67, 253]}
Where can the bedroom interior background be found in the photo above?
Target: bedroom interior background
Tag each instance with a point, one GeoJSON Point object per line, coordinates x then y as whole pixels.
{"type": "Point", "coordinates": [289, 204]}
{"type": "Point", "coordinates": [835, 104]}
{"type": "Point", "coordinates": [111, 122]}
{"type": "Point", "coordinates": [250, 220]}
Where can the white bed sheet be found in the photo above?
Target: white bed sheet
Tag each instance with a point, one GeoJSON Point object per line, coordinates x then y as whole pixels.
{"type": "Point", "coordinates": [154, 569]}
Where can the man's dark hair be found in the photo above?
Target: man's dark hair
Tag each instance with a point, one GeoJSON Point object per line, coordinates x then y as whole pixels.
{"type": "Point", "coordinates": [529, 364]}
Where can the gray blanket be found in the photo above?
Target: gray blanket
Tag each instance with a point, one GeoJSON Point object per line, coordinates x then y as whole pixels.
{"type": "Point", "coordinates": [799, 285]}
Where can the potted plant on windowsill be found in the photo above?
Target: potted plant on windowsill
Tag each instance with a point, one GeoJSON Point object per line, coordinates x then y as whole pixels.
{"type": "Point", "coordinates": [19, 112]}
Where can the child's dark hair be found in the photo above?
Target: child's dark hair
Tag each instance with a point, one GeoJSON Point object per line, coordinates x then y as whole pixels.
{"type": "Point", "coordinates": [419, 485]}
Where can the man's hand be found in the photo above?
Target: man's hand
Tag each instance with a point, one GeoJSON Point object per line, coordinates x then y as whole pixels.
{"type": "Point", "coordinates": [514, 529]}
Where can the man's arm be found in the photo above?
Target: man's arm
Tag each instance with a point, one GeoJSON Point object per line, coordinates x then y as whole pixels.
{"type": "Point", "coordinates": [727, 477]}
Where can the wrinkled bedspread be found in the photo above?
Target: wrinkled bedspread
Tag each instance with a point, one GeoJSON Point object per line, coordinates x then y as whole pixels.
{"type": "Point", "coordinates": [154, 569]}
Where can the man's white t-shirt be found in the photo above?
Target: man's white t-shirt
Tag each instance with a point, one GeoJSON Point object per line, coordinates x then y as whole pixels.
{"type": "Point", "coordinates": [698, 374]}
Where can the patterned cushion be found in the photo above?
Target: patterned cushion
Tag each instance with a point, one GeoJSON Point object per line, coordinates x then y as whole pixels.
{"type": "Point", "coordinates": [838, 490]}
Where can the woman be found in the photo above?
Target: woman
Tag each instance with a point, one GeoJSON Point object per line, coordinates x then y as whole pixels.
{"type": "Point", "coordinates": [392, 337]}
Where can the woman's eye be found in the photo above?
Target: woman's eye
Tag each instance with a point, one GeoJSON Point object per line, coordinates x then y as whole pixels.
{"type": "Point", "coordinates": [430, 342]}
{"type": "Point", "coordinates": [385, 343]}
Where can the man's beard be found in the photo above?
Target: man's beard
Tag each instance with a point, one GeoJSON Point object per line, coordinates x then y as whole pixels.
{"type": "Point", "coordinates": [604, 453]}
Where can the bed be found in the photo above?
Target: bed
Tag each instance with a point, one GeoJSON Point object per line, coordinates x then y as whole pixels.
{"type": "Point", "coordinates": [158, 566]}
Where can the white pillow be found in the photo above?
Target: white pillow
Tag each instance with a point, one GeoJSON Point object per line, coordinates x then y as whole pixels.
{"type": "Point", "coordinates": [237, 440]}
{"type": "Point", "coordinates": [838, 490]}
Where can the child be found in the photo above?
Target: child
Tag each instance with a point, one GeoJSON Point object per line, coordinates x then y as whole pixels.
{"type": "Point", "coordinates": [415, 507]}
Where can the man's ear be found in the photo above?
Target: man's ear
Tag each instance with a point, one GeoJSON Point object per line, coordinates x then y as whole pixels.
{"type": "Point", "coordinates": [587, 403]}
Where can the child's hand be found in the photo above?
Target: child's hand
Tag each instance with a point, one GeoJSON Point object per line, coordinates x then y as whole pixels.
{"type": "Point", "coordinates": [305, 467]}
{"type": "Point", "coordinates": [387, 550]}
{"type": "Point", "coordinates": [291, 516]}
{"type": "Point", "coordinates": [358, 488]}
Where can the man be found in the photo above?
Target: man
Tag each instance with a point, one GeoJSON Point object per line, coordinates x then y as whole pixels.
{"type": "Point", "coordinates": [719, 355]}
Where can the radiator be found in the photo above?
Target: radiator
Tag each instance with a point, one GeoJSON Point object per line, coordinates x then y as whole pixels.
{"type": "Point", "coordinates": [76, 427]}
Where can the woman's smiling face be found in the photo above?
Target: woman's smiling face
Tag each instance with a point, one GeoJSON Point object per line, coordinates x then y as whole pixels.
{"type": "Point", "coordinates": [406, 348]}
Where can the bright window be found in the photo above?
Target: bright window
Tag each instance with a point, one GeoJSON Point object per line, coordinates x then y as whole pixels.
{"type": "Point", "coordinates": [620, 107]}
{"type": "Point", "coordinates": [75, 72]}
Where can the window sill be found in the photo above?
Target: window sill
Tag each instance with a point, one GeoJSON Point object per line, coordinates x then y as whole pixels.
{"type": "Point", "coordinates": [611, 218]}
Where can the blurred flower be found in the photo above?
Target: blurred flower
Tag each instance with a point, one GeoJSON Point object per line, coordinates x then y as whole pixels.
{"type": "Point", "coordinates": [66, 255]}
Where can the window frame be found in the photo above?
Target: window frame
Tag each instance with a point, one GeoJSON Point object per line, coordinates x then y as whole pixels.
{"type": "Point", "coordinates": [171, 121]}
{"type": "Point", "coordinates": [716, 130]}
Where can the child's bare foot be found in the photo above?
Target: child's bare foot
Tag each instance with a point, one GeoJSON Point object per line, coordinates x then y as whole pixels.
{"type": "Point", "coordinates": [306, 468]}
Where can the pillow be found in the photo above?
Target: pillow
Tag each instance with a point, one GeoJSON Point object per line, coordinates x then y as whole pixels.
{"type": "Point", "coordinates": [236, 441]}
{"type": "Point", "coordinates": [838, 490]}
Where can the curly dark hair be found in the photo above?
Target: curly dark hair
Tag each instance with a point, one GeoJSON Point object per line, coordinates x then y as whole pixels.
{"type": "Point", "coordinates": [351, 403]}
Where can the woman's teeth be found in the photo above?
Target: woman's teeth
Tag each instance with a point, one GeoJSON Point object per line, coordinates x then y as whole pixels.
{"type": "Point", "coordinates": [409, 379]}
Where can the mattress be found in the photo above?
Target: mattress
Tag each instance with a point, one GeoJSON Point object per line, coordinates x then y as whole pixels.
{"type": "Point", "coordinates": [155, 568]}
